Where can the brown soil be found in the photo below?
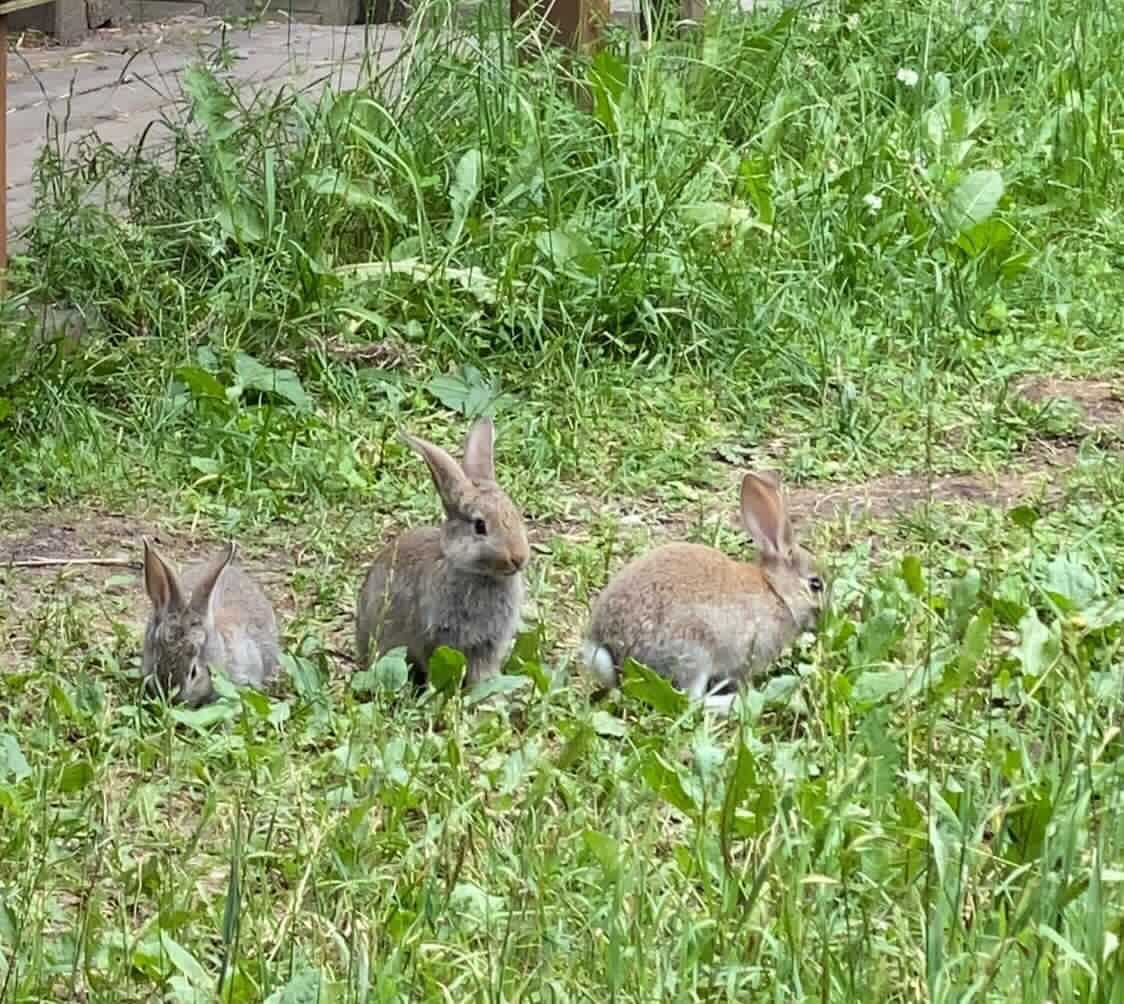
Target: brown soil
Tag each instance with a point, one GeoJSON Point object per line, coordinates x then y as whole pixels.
{"type": "Point", "coordinates": [1100, 401]}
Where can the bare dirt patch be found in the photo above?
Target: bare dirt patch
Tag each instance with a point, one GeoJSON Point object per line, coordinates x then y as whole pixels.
{"type": "Point", "coordinates": [1101, 402]}
{"type": "Point", "coordinates": [96, 556]}
{"type": "Point", "coordinates": [897, 494]}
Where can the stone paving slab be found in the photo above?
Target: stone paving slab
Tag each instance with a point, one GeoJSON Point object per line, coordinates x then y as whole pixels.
{"type": "Point", "coordinates": [118, 82]}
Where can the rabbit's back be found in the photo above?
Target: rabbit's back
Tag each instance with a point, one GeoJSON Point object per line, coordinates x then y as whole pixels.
{"type": "Point", "coordinates": [245, 623]}
{"type": "Point", "coordinates": [389, 611]}
{"type": "Point", "coordinates": [692, 614]}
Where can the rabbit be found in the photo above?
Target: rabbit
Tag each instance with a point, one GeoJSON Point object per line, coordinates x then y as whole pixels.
{"type": "Point", "coordinates": [703, 620]}
{"type": "Point", "coordinates": [459, 584]}
{"type": "Point", "coordinates": [214, 616]}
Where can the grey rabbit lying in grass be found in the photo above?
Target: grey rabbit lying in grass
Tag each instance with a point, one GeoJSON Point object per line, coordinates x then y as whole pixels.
{"type": "Point", "coordinates": [215, 615]}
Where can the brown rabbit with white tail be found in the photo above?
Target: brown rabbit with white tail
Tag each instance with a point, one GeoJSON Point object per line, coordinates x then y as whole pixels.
{"type": "Point", "coordinates": [459, 584]}
{"type": "Point", "coordinates": [703, 620]}
{"type": "Point", "coordinates": [214, 616]}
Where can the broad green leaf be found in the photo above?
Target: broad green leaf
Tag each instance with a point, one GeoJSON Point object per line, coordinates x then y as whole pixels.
{"type": "Point", "coordinates": [356, 193]}
{"type": "Point", "coordinates": [179, 990]}
{"type": "Point", "coordinates": [974, 200]}
{"type": "Point", "coordinates": [210, 714]}
{"type": "Point", "coordinates": [878, 636]}
{"type": "Point", "coordinates": [463, 192]}
{"type": "Point", "coordinates": [467, 391]}
{"type": "Point", "coordinates": [977, 637]}
{"type": "Point", "coordinates": [257, 702]}
{"type": "Point", "coordinates": [1070, 583]}
{"type": "Point", "coordinates": [185, 962]}
{"type": "Point", "coordinates": [665, 781]}
{"type": "Point", "coordinates": [446, 668]}
{"type": "Point", "coordinates": [1103, 614]}
{"type": "Point", "coordinates": [605, 724]}
{"type": "Point", "coordinates": [1038, 644]}
{"type": "Point", "coordinates": [499, 684]}
{"type": "Point", "coordinates": [642, 684]}
{"type": "Point", "coordinates": [605, 849]}
{"type": "Point", "coordinates": [208, 466]}
{"type": "Point", "coordinates": [284, 383]}
{"type": "Point", "coordinates": [564, 247]}
{"type": "Point", "coordinates": [304, 674]}
{"type": "Point", "coordinates": [469, 902]}
{"type": "Point", "coordinates": [873, 687]}
{"type": "Point", "coordinates": [913, 574]}
{"type": "Point", "coordinates": [392, 671]}
{"type": "Point", "coordinates": [201, 383]}
{"type": "Point", "coordinates": [963, 599]}
{"type": "Point", "coordinates": [13, 764]}
{"type": "Point", "coordinates": [779, 689]}
{"type": "Point", "coordinates": [576, 746]}
{"type": "Point", "coordinates": [754, 183]}
{"type": "Point", "coordinates": [742, 778]}
{"type": "Point", "coordinates": [608, 76]}
{"type": "Point", "coordinates": [990, 235]}
{"type": "Point", "coordinates": [308, 986]}
{"type": "Point", "coordinates": [241, 221]}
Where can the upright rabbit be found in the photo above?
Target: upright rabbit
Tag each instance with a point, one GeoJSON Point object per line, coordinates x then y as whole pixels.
{"type": "Point", "coordinates": [214, 616]}
{"type": "Point", "coordinates": [458, 584]}
{"type": "Point", "coordinates": [702, 620]}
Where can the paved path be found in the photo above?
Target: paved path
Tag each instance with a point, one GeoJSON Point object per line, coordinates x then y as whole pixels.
{"type": "Point", "coordinates": [119, 81]}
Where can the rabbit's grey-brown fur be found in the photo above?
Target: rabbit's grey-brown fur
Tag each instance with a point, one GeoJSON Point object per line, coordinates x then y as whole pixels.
{"type": "Point", "coordinates": [213, 615]}
{"type": "Point", "coordinates": [459, 584]}
{"type": "Point", "coordinates": [701, 619]}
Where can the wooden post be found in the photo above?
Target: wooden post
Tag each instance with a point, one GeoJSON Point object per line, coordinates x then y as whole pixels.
{"type": "Point", "coordinates": [3, 154]}
{"type": "Point", "coordinates": [575, 24]}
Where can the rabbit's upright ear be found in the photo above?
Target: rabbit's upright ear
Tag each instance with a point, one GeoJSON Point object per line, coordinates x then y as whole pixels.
{"type": "Point", "coordinates": [479, 464]}
{"type": "Point", "coordinates": [160, 580]}
{"type": "Point", "coordinates": [448, 477]}
{"type": "Point", "coordinates": [764, 516]}
{"type": "Point", "coordinates": [205, 587]}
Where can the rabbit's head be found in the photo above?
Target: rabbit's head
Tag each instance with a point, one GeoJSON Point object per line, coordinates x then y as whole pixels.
{"type": "Point", "coordinates": [483, 532]}
{"type": "Point", "coordinates": [790, 571]}
{"type": "Point", "coordinates": [181, 642]}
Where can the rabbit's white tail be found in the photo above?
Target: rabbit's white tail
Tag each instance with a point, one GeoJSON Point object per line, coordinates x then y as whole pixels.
{"type": "Point", "coordinates": [599, 662]}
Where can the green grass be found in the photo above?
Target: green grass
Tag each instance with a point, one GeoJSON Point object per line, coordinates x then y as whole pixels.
{"type": "Point", "coordinates": [758, 246]}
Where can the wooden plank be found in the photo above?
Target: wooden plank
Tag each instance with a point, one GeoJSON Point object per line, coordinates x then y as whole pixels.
{"type": "Point", "coordinates": [11, 6]}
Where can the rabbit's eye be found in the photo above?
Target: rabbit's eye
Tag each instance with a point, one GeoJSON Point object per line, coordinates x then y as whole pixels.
{"type": "Point", "coordinates": [815, 583]}
{"type": "Point", "coordinates": [480, 527]}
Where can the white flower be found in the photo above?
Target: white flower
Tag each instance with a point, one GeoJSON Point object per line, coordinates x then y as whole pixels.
{"type": "Point", "coordinates": [907, 76]}
{"type": "Point", "coordinates": [873, 202]}
{"type": "Point", "coordinates": [853, 22]}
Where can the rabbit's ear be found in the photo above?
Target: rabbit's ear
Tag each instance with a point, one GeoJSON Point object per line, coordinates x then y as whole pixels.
{"type": "Point", "coordinates": [478, 462]}
{"type": "Point", "coordinates": [205, 587]}
{"type": "Point", "coordinates": [160, 581]}
{"type": "Point", "coordinates": [448, 478]}
{"type": "Point", "coordinates": [764, 516]}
